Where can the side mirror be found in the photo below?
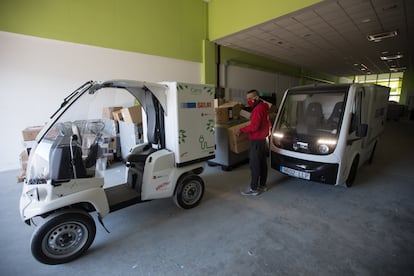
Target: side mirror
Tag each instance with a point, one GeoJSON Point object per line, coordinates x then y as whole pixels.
{"type": "Point", "coordinates": [362, 130]}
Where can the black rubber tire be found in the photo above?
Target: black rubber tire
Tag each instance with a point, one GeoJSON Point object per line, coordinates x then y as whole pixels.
{"type": "Point", "coordinates": [189, 191]}
{"type": "Point", "coordinates": [371, 157]}
{"type": "Point", "coordinates": [63, 238]}
{"type": "Point", "coordinates": [352, 173]}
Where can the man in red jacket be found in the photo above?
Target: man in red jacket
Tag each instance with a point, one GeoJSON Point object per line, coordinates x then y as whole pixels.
{"type": "Point", "coordinates": [258, 130]}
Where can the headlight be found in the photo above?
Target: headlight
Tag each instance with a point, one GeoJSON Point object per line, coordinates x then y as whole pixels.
{"type": "Point", "coordinates": [324, 145]}
{"type": "Point", "coordinates": [278, 135]}
{"type": "Point", "coordinates": [331, 142]}
{"type": "Point", "coordinates": [323, 148]}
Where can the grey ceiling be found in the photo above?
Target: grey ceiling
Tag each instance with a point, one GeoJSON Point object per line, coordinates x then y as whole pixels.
{"type": "Point", "coordinates": [331, 37]}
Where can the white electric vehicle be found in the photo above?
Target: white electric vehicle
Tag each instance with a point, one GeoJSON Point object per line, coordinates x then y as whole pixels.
{"type": "Point", "coordinates": [324, 133]}
{"type": "Point", "coordinates": [66, 177]}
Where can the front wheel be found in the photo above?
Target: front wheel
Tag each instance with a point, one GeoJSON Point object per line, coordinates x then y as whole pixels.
{"type": "Point", "coordinates": [352, 173]}
{"type": "Point", "coordinates": [371, 157]}
{"type": "Point", "coordinates": [189, 191]}
{"type": "Point", "coordinates": [63, 238]}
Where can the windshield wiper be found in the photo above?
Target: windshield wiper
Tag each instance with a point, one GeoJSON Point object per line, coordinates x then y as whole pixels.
{"type": "Point", "coordinates": [70, 96]}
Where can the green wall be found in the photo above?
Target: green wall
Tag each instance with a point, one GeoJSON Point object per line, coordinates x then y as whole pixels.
{"type": "Point", "coordinates": [407, 86]}
{"type": "Point", "coordinates": [158, 27]}
{"type": "Point", "coordinates": [169, 28]}
{"type": "Point", "coordinates": [230, 16]}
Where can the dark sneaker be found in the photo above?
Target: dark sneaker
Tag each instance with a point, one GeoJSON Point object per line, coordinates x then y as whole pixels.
{"type": "Point", "coordinates": [250, 192]}
{"type": "Point", "coordinates": [262, 189]}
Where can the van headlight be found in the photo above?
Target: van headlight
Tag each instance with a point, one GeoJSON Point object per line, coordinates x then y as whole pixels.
{"type": "Point", "coordinates": [323, 148]}
{"type": "Point", "coordinates": [278, 135]}
{"type": "Point", "coordinates": [325, 145]}
{"type": "Point", "coordinates": [277, 139]}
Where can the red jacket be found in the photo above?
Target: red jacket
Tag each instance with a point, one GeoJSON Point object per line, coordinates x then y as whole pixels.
{"type": "Point", "coordinates": [259, 127]}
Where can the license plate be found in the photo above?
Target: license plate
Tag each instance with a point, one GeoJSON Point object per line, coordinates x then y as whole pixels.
{"type": "Point", "coordinates": [295, 173]}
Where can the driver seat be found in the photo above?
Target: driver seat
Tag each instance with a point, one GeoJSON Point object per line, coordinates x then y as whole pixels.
{"type": "Point", "coordinates": [314, 115]}
{"type": "Point", "coordinates": [135, 161]}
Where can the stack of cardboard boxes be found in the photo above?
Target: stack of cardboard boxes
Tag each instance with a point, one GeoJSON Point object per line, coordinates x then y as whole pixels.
{"type": "Point", "coordinates": [229, 113]}
{"type": "Point", "coordinates": [129, 120]}
{"type": "Point", "coordinates": [128, 114]}
{"type": "Point", "coordinates": [238, 143]}
{"type": "Point", "coordinates": [29, 136]}
{"type": "Point", "coordinates": [226, 112]}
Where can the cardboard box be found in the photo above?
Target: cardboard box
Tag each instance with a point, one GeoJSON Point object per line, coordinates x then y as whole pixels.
{"type": "Point", "coordinates": [30, 133]}
{"type": "Point", "coordinates": [117, 116]}
{"type": "Point", "coordinates": [221, 115]}
{"type": "Point", "coordinates": [24, 157]}
{"type": "Point", "coordinates": [241, 143]}
{"type": "Point", "coordinates": [228, 111]}
{"type": "Point", "coordinates": [132, 114]}
{"type": "Point", "coordinates": [107, 112]}
{"type": "Point", "coordinates": [129, 114]}
{"type": "Point", "coordinates": [218, 102]}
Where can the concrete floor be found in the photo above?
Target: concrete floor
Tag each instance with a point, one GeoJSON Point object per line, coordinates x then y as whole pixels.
{"type": "Point", "coordinates": [296, 228]}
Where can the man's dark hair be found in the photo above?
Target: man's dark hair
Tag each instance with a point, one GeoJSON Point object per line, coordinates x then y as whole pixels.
{"type": "Point", "coordinates": [253, 91]}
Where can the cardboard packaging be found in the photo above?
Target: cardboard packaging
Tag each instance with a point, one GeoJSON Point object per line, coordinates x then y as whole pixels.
{"type": "Point", "coordinates": [218, 102]}
{"type": "Point", "coordinates": [129, 114]}
{"type": "Point", "coordinates": [132, 114]}
{"type": "Point", "coordinates": [117, 116]}
{"type": "Point", "coordinates": [30, 133]}
{"type": "Point", "coordinates": [228, 111]}
{"type": "Point", "coordinates": [24, 157]}
{"type": "Point", "coordinates": [241, 143]}
{"type": "Point", "coordinates": [107, 112]}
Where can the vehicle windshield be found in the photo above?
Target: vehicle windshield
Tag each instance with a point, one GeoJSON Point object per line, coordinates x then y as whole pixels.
{"type": "Point", "coordinates": [307, 118]}
{"type": "Point", "coordinates": [81, 140]}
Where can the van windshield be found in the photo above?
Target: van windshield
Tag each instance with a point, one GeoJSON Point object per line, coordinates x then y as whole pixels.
{"type": "Point", "coordinates": [306, 118]}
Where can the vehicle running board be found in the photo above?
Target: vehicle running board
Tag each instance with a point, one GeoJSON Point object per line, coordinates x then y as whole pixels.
{"type": "Point", "coordinates": [121, 196]}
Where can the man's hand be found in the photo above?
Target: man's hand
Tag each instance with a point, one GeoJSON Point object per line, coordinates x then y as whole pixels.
{"type": "Point", "coordinates": [237, 132]}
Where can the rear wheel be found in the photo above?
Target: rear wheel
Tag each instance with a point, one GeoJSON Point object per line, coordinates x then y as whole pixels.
{"type": "Point", "coordinates": [189, 191]}
{"type": "Point", "coordinates": [63, 238]}
{"type": "Point", "coordinates": [352, 173]}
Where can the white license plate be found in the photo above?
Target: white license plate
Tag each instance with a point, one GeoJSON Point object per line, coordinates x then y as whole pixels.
{"type": "Point", "coordinates": [295, 173]}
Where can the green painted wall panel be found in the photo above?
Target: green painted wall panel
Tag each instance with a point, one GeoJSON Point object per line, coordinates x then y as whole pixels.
{"type": "Point", "coordinates": [169, 28]}
{"type": "Point", "coordinates": [159, 27]}
{"type": "Point", "coordinates": [209, 63]}
{"type": "Point", "coordinates": [230, 16]}
{"type": "Point", "coordinates": [407, 86]}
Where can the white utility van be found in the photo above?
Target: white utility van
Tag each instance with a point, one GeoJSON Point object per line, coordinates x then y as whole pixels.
{"type": "Point", "coordinates": [324, 133]}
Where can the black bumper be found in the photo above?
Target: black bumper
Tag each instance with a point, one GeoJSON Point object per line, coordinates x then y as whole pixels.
{"type": "Point", "coordinates": [319, 172]}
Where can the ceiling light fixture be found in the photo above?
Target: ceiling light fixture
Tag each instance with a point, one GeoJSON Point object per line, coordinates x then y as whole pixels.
{"type": "Point", "coordinates": [390, 7]}
{"type": "Point", "coordinates": [398, 69]}
{"type": "Point", "coordinates": [380, 36]}
{"type": "Point", "coordinates": [392, 57]}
